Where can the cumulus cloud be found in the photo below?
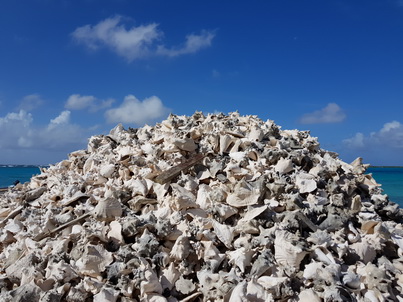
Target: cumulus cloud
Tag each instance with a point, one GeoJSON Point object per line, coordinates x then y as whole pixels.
{"type": "Point", "coordinates": [133, 111]}
{"type": "Point", "coordinates": [30, 102]}
{"type": "Point", "coordinates": [62, 119]}
{"type": "Point", "coordinates": [136, 42]}
{"type": "Point", "coordinates": [20, 135]}
{"type": "Point", "coordinates": [389, 136]}
{"type": "Point", "coordinates": [332, 113]}
{"type": "Point", "coordinates": [79, 102]}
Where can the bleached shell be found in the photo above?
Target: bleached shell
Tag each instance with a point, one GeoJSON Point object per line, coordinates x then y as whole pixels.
{"type": "Point", "coordinates": [137, 186]}
{"type": "Point", "coordinates": [305, 182]}
{"type": "Point", "coordinates": [14, 226]}
{"type": "Point", "coordinates": [243, 195]}
{"type": "Point", "coordinates": [269, 282]}
{"type": "Point", "coordinates": [224, 233]}
{"type": "Point", "coordinates": [108, 209]}
{"type": "Point", "coordinates": [169, 276]}
{"type": "Point", "coordinates": [185, 286]}
{"type": "Point", "coordinates": [94, 260]}
{"type": "Point", "coordinates": [225, 142]}
{"type": "Point", "coordinates": [322, 254]}
{"type": "Point", "coordinates": [256, 292]}
{"type": "Point", "coordinates": [364, 250]}
{"type": "Point", "coordinates": [151, 284]}
{"type": "Point", "coordinates": [241, 258]}
{"type": "Point", "coordinates": [107, 294]}
{"type": "Point", "coordinates": [237, 156]}
{"type": "Point", "coordinates": [284, 165]}
{"type": "Point", "coordinates": [115, 232]}
{"type": "Point", "coordinates": [182, 198]}
{"type": "Point", "coordinates": [287, 250]}
{"type": "Point", "coordinates": [351, 280]}
{"type": "Point", "coordinates": [239, 293]}
{"type": "Point", "coordinates": [181, 248]}
{"type": "Point", "coordinates": [186, 144]}
{"type": "Point", "coordinates": [203, 199]}
{"type": "Point", "coordinates": [308, 295]}
{"type": "Point", "coordinates": [312, 270]}
{"type": "Point", "coordinates": [107, 170]}
{"type": "Point", "coordinates": [60, 271]}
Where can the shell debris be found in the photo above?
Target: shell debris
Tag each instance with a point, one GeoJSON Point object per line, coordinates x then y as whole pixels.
{"type": "Point", "coordinates": [201, 208]}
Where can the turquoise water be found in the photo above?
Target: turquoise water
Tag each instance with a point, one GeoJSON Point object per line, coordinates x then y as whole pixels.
{"type": "Point", "coordinates": [9, 174]}
{"type": "Point", "coordinates": [390, 178]}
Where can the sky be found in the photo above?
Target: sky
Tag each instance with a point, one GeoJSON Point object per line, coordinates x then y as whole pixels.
{"type": "Point", "coordinates": [72, 69]}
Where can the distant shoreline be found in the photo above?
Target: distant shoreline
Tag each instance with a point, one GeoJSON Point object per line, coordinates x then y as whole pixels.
{"type": "Point", "coordinates": [385, 166]}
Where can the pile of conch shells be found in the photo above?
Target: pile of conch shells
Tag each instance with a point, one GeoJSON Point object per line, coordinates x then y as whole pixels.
{"type": "Point", "coordinates": [201, 208]}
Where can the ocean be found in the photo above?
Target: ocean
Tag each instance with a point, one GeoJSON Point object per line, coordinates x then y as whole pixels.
{"type": "Point", "coordinates": [391, 178]}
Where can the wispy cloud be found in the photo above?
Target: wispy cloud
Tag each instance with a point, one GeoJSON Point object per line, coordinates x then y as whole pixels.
{"type": "Point", "coordinates": [193, 44]}
{"type": "Point", "coordinates": [31, 102]}
{"type": "Point", "coordinates": [136, 42]}
{"type": "Point", "coordinates": [133, 111]}
{"type": "Point", "coordinates": [332, 113]}
{"type": "Point", "coordinates": [389, 136]}
{"type": "Point", "coordinates": [80, 102]}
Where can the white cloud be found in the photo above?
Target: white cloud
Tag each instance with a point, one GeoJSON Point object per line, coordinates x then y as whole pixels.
{"type": "Point", "coordinates": [332, 113]}
{"type": "Point", "coordinates": [135, 42]}
{"type": "Point", "coordinates": [21, 138]}
{"type": "Point", "coordinates": [62, 119]}
{"type": "Point", "coordinates": [390, 136]}
{"type": "Point", "coordinates": [133, 111]}
{"type": "Point", "coordinates": [14, 129]}
{"type": "Point", "coordinates": [30, 102]}
{"type": "Point", "coordinates": [79, 102]}
{"type": "Point", "coordinates": [356, 142]}
{"type": "Point", "coordinates": [193, 44]}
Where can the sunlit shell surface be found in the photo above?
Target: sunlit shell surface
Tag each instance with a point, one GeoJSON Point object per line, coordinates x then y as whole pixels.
{"type": "Point", "coordinates": [201, 208]}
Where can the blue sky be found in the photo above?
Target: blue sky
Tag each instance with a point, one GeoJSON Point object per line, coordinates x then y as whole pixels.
{"type": "Point", "coordinates": [72, 69]}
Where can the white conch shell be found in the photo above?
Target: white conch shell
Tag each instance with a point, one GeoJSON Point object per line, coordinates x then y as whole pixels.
{"type": "Point", "coordinates": [322, 254]}
{"type": "Point", "coordinates": [224, 233]}
{"type": "Point", "coordinates": [181, 248]}
{"type": "Point", "coordinates": [108, 209]}
{"type": "Point", "coordinates": [107, 170]}
{"type": "Point", "coordinates": [185, 286]}
{"type": "Point", "coordinates": [256, 292]}
{"type": "Point", "coordinates": [305, 182]}
{"type": "Point", "coordinates": [169, 276]}
{"type": "Point", "coordinates": [283, 166]}
{"type": "Point", "coordinates": [243, 195]}
{"type": "Point", "coordinates": [308, 295]}
{"type": "Point", "coordinates": [239, 293]}
{"type": "Point", "coordinates": [225, 142]}
{"type": "Point", "coordinates": [150, 283]}
{"type": "Point", "coordinates": [351, 280]}
{"type": "Point", "coordinates": [94, 260]}
{"type": "Point", "coordinates": [241, 258]}
{"type": "Point", "coordinates": [186, 144]}
{"type": "Point", "coordinates": [287, 252]}
{"type": "Point", "coordinates": [269, 282]}
{"type": "Point", "coordinates": [312, 270]}
{"type": "Point", "coordinates": [364, 250]}
{"type": "Point", "coordinates": [106, 294]}
{"type": "Point", "coordinates": [115, 231]}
